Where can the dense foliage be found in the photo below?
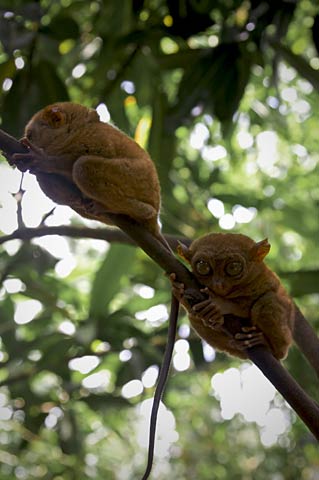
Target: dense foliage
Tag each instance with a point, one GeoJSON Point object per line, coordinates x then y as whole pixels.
{"type": "Point", "coordinates": [224, 95]}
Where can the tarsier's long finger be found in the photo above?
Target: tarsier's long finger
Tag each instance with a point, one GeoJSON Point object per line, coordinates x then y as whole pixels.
{"type": "Point", "coordinates": [214, 323]}
{"type": "Point", "coordinates": [205, 290]}
{"type": "Point", "coordinates": [249, 329]}
{"type": "Point", "coordinates": [172, 278]}
{"type": "Point", "coordinates": [205, 303]}
{"type": "Point", "coordinates": [247, 336]}
{"type": "Point", "coordinates": [209, 311]}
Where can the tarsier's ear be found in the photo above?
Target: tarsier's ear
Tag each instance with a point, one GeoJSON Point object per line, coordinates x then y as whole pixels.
{"type": "Point", "coordinates": [54, 116]}
{"type": "Point", "coordinates": [183, 251]}
{"type": "Point", "coordinates": [260, 250]}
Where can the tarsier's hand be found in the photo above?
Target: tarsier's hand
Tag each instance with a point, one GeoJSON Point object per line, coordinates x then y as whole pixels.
{"type": "Point", "coordinates": [249, 337]}
{"type": "Point", "coordinates": [209, 313]}
{"type": "Point", "coordinates": [30, 160]}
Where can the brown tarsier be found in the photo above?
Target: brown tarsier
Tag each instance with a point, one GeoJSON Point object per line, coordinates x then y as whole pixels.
{"type": "Point", "coordinates": [90, 166]}
{"type": "Point", "coordinates": [231, 269]}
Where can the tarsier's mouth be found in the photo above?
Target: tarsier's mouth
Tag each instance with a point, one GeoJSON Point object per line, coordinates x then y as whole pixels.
{"type": "Point", "coordinates": [220, 290]}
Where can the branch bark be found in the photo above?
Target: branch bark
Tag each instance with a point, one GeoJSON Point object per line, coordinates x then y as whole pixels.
{"type": "Point", "coordinates": [107, 234]}
{"type": "Point", "coordinates": [304, 406]}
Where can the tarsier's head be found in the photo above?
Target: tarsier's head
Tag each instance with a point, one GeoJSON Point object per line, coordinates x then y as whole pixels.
{"type": "Point", "coordinates": [56, 121]}
{"type": "Point", "coordinates": [225, 261]}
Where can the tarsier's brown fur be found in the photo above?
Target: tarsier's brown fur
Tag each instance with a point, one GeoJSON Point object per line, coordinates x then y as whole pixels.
{"type": "Point", "coordinates": [231, 269]}
{"type": "Point", "coordinates": [91, 166]}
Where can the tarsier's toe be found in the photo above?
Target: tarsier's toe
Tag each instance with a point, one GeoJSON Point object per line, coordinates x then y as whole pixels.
{"type": "Point", "coordinates": [249, 340]}
{"type": "Point", "coordinates": [213, 321]}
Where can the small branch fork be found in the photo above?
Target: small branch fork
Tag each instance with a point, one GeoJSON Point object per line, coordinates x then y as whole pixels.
{"type": "Point", "coordinates": [306, 408]}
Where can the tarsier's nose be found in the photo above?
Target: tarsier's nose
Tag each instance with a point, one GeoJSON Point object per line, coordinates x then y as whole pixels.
{"type": "Point", "coordinates": [219, 287]}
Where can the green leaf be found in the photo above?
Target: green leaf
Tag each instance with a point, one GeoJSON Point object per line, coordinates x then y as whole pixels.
{"type": "Point", "coordinates": [107, 281]}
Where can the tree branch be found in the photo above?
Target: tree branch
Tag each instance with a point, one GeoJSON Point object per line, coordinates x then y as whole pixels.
{"type": "Point", "coordinates": [9, 145]}
{"type": "Point", "coordinates": [304, 406]}
{"type": "Point", "coordinates": [111, 235]}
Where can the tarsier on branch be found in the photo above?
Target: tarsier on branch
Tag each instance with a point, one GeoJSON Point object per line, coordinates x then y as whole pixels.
{"type": "Point", "coordinates": [90, 166]}
{"type": "Point", "coordinates": [236, 280]}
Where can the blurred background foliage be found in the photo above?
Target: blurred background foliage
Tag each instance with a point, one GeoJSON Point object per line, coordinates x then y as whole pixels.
{"type": "Point", "coordinates": [224, 95]}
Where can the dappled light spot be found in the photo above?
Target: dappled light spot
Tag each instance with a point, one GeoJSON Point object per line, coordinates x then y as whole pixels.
{"type": "Point", "coordinates": [166, 433]}
{"type": "Point", "coordinates": [181, 357]}
{"type": "Point", "coordinates": [5, 413]}
{"type": "Point", "coordinates": [132, 389]}
{"type": "Point", "coordinates": [53, 417]}
{"type": "Point", "coordinates": [209, 352]}
{"type": "Point", "coordinates": [35, 355]}
{"type": "Point", "coordinates": [168, 45]}
{"type": "Point", "coordinates": [213, 154]}
{"type": "Point", "coordinates": [79, 70]}
{"type": "Point", "coordinates": [244, 215]}
{"type": "Point", "coordinates": [216, 207]}
{"type": "Point", "coordinates": [7, 84]}
{"type": "Point", "coordinates": [144, 291]}
{"type": "Point", "coordinates": [155, 315]}
{"type": "Point", "coordinates": [267, 144]}
{"type": "Point", "coordinates": [125, 355]}
{"type": "Point", "coordinates": [13, 285]}
{"type": "Point", "coordinates": [227, 222]}
{"type": "Point", "coordinates": [184, 330]}
{"type": "Point", "coordinates": [128, 87]}
{"type": "Point", "coordinates": [103, 112]}
{"type": "Point", "coordinates": [26, 311]}
{"type": "Point", "coordinates": [99, 381]}
{"type": "Point", "coordinates": [84, 364]}
{"type": "Point", "coordinates": [247, 392]}
{"type": "Point", "coordinates": [199, 136]}
{"type": "Point", "coordinates": [245, 139]}
{"type": "Point", "coordinates": [65, 266]}
{"type": "Point", "coordinates": [67, 327]}
{"type": "Point", "coordinates": [149, 377]}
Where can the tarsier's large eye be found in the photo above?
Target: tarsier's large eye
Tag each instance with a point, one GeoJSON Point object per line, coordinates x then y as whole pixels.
{"type": "Point", "coordinates": [203, 267]}
{"type": "Point", "coordinates": [233, 268]}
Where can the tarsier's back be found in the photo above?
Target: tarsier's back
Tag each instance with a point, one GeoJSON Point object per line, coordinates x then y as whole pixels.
{"type": "Point", "coordinates": [92, 166]}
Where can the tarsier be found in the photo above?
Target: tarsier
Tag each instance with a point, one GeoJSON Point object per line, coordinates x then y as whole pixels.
{"type": "Point", "coordinates": [90, 166]}
{"type": "Point", "coordinates": [231, 269]}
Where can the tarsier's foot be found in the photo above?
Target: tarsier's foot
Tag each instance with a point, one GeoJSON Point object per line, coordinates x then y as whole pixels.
{"type": "Point", "coordinates": [93, 208]}
{"type": "Point", "coordinates": [249, 337]}
{"type": "Point", "coordinates": [208, 312]}
{"type": "Point", "coordinates": [30, 160]}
